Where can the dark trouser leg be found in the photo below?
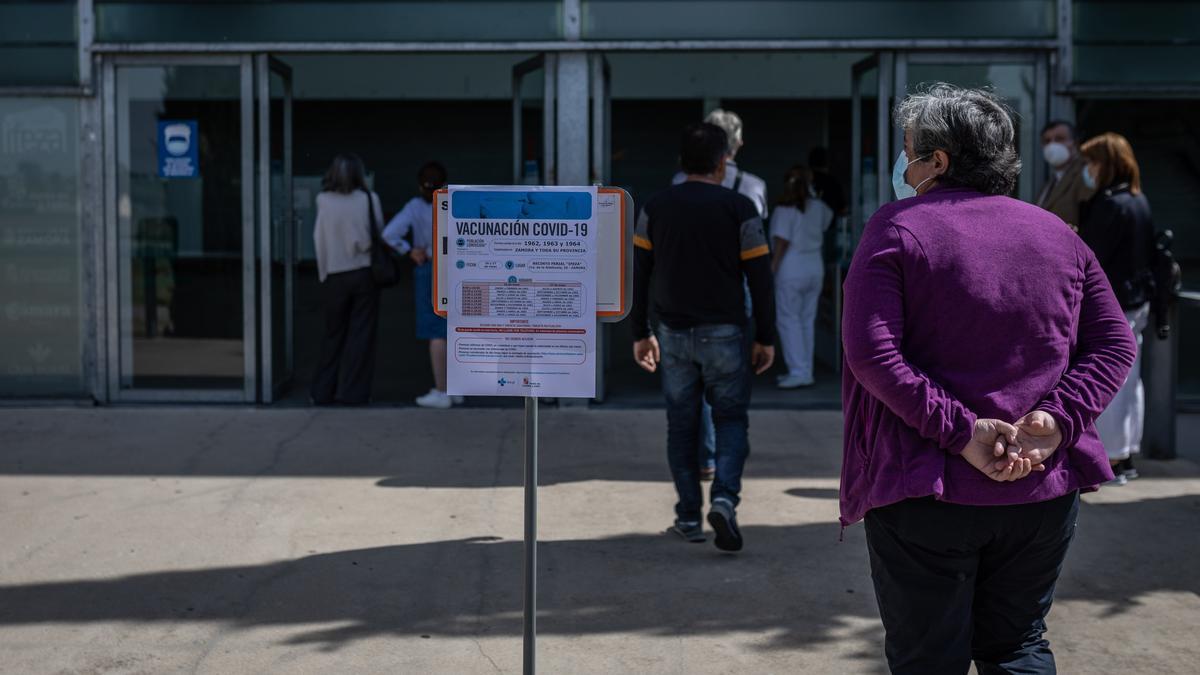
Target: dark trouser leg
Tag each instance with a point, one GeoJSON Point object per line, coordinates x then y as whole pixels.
{"type": "Point", "coordinates": [683, 391]}
{"type": "Point", "coordinates": [724, 364]}
{"type": "Point", "coordinates": [358, 353]}
{"type": "Point", "coordinates": [338, 302]}
{"type": "Point", "coordinates": [923, 564]}
{"type": "Point", "coordinates": [1017, 574]}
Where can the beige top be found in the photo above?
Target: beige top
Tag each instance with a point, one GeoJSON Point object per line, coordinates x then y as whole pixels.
{"type": "Point", "coordinates": [341, 234]}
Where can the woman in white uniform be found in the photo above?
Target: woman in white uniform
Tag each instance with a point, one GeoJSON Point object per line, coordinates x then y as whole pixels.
{"type": "Point", "coordinates": [798, 227]}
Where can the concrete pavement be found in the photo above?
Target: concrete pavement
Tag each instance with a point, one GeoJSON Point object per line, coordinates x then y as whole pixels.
{"type": "Point", "coordinates": [236, 540]}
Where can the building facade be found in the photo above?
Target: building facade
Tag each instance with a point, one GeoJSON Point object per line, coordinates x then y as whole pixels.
{"type": "Point", "coordinates": [159, 159]}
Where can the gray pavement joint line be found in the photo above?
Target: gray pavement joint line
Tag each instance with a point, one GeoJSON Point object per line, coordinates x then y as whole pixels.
{"type": "Point", "coordinates": [276, 455]}
{"type": "Point", "coordinates": [492, 661]}
{"type": "Point", "coordinates": [210, 442]}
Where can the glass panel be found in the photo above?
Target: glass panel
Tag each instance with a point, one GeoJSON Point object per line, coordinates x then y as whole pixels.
{"type": "Point", "coordinates": [32, 66]}
{"type": "Point", "coordinates": [1137, 64]}
{"type": "Point", "coordinates": [533, 155]}
{"type": "Point", "coordinates": [799, 19]}
{"type": "Point", "coordinates": [179, 186]}
{"type": "Point", "coordinates": [41, 318]}
{"type": "Point", "coordinates": [248, 21]}
{"type": "Point", "coordinates": [1161, 20]}
{"type": "Point", "coordinates": [38, 43]}
{"type": "Point", "coordinates": [1163, 134]}
{"type": "Point", "coordinates": [1014, 82]}
{"type": "Point", "coordinates": [868, 197]}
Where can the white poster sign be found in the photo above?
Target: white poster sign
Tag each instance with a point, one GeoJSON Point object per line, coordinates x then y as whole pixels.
{"type": "Point", "coordinates": [522, 269]}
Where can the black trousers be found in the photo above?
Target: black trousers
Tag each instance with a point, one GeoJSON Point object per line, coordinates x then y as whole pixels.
{"type": "Point", "coordinates": [347, 363]}
{"type": "Point", "coordinates": [960, 583]}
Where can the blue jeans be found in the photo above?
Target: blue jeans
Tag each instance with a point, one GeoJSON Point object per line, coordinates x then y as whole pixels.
{"type": "Point", "coordinates": [706, 362]}
{"type": "Point", "coordinates": [708, 433]}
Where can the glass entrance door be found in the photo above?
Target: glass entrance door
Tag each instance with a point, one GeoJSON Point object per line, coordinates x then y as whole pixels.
{"type": "Point", "coordinates": [277, 227]}
{"type": "Point", "coordinates": [180, 215]}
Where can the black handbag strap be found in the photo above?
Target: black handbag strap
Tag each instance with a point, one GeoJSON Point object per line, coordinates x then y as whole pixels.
{"type": "Point", "coordinates": [371, 216]}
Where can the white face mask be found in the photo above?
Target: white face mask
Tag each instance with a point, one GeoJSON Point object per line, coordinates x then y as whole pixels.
{"type": "Point", "coordinates": [1088, 180]}
{"type": "Point", "coordinates": [1056, 154]}
{"type": "Point", "coordinates": [899, 185]}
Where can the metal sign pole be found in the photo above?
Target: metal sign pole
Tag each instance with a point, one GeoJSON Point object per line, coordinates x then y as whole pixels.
{"type": "Point", "coordinates": [531, 448]}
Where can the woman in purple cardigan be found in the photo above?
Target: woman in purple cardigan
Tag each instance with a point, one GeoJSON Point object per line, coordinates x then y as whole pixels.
{"type": "Point", "coordinates": [982, 340]}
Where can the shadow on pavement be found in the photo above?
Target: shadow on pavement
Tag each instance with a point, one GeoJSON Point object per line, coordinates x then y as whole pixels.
{"type": "Point", "coordinates": [792, 586]}
{"type": "Point", "coordinates": [796, 586]}
{"type": "Point", "coordinates": [452, 449]}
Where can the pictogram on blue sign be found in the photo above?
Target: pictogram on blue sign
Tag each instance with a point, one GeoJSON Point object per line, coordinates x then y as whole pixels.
{"type": "Point", "coordinates": [178, 149]}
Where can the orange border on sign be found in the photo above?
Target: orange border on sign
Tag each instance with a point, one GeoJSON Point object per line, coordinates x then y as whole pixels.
{"type": "Point", "coordinates": [620, 309]}
{"type": "Point", "coordinates": [437, 241]}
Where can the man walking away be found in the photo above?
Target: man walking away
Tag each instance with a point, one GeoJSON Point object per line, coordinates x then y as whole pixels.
{"type": "Point", "coordinates": [754, 188]}
{"type": "Point", "coordinates": [697, 242]}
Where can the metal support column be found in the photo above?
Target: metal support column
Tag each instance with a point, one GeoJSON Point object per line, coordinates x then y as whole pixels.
{"type": "Point", "coordinates": [1160, 378]}
{"type": "Point", "coordinates": [1061, 105]}
{"type": "Point", "coordinates": [572, 119]}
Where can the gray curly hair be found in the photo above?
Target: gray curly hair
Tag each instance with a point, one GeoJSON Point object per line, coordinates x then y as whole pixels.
{"type": "Point", "coordinates": [973, 126]}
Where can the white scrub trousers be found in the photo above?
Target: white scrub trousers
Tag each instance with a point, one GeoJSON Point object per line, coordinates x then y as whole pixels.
{"type": "Point", "coordinates": [1120, 425]}
{"type": "Point", "coordinates": [796, 297]}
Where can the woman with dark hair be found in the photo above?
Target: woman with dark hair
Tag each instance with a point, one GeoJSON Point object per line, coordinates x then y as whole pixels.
{"type": "Point", "coordinates": [976, 366]}
{"type": "Point", "coordinates": [798, 227]}
{"type": "Point", "coordinates": [346, 212]}
{"type": "Point", "coordinates": [1116, 224]}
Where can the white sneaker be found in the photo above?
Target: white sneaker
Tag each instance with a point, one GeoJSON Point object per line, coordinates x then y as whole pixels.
{"type": "Point", "coordinates": [435, 399]}
{"type": "Point", "coordinates": [794, 382]}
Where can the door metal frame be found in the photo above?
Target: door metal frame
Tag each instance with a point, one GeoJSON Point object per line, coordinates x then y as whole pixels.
{"type": "Point", "coordinates": [882, 62]}
{"type": "Point", "coordinates": [116, 351]}
{"type": "Point", "coordinates": [269, 389]}
{"type": "Point", "coordinates": [548, 63]}
{"type": "Point", "coordinates": [601, 84]}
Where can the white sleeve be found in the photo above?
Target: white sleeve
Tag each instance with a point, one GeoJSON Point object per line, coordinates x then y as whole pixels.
{"type": "Point", "coordinates": [826, 214]}
{"type": "Point", "coordinates": [398, 229]}
{"type": "Point", "coordinates": [782, 223]}
{"type": "Point", "coordinates": [319, 240]}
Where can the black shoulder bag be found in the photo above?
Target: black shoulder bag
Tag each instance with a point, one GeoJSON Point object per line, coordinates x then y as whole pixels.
{"type": "Point", "coordinates": [385, 262]}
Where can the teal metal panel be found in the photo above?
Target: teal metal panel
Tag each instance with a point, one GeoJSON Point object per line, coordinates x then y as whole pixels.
{"type": "Point", "coordinates": [298, 21]}
{"type": "Point", "coordinates": [37, 43]}
{"type": "Point", "coordinates": [817, 19]}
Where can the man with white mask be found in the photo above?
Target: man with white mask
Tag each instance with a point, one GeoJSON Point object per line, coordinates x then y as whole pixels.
{"type": "Point", "coordinates": [1065, 189]}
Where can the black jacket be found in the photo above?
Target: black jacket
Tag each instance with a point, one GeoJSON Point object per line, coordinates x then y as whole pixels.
{"type": "Point", "coordinates": [1116, 224]}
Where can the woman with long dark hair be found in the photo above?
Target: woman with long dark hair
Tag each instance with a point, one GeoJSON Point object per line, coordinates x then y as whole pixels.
{"type": "Point", "coordinates": [798, 227]}
{"type": "Point", "coordinates": [1116, 224]}
{"type": "Point", "coordinates": [346, 212]}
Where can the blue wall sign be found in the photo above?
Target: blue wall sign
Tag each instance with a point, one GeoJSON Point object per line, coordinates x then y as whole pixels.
{"type": "Point", "coordinates": [178, 149]}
